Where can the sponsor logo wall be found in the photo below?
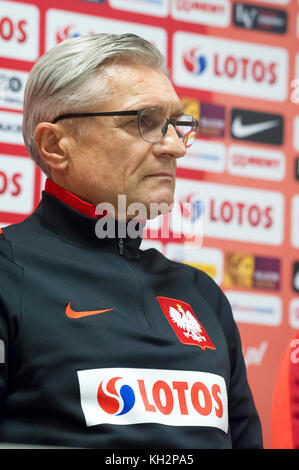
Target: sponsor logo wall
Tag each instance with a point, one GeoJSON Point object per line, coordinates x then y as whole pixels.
{"type": "Point", "coordinates": [235, 65]}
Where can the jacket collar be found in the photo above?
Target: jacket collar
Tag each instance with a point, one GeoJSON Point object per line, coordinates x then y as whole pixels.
{"type": "Point", "coordinates": [70, 199]}
{"type": "Point", "coordinates": [73, 219]}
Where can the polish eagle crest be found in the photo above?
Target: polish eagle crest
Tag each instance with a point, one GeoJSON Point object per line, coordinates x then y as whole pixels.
{"type": "Point", "coordinates": [186, 321]}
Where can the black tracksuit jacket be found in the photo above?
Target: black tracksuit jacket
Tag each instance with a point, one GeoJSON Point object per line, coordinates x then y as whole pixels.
{"type": "Point", "coordinates": [118, 376]}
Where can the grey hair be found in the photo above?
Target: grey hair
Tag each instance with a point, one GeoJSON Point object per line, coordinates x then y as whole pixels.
{"type": "Point", "coordinates": [65, 79]}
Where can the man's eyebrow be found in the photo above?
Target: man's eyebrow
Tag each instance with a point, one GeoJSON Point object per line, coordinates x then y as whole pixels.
{"type": "Point", "coordinates": [180, 112]}
{"type": "Point", "coordinates": [175, 114]}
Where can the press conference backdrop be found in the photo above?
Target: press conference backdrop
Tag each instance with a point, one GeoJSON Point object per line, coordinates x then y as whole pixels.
{"type": "Point", "coordinates": [236, 65]}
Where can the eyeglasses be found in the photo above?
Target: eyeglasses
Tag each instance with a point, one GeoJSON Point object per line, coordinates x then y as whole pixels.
{"type": "Point", "coordinates": [152, 124]}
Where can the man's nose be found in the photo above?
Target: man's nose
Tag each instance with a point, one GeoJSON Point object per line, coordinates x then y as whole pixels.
{"type": "Point", "coordinates": [170, 144]}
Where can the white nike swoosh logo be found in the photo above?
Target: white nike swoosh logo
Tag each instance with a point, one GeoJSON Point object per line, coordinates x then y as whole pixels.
{"type": "Point", "coordinates": [245, 130]}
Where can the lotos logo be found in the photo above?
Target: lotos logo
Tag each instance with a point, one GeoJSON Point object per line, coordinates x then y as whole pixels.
{"type": "Point", "coordinates": [123, 396]}
{"type": "Point", "coordinates": [61, 25]}
{"type": "Point", "coordinates": [19, 31]}
{"type": "Point", "coordinates": [190, 209]}
{"type": "Point", "coordinates": [229, 66]}
{"type": "Point", "coordinates": [186, 219]}
{"type": "Point", "coordinates": [67, 32]}
{"type": "Point", "coordinates": [237, 213]}
{"type": "Point", "coordinates": [17, 180]}
{"type": "Point", "coordinates": [194, 62]}
{"type": "Point", "coordinates": [115, 399]}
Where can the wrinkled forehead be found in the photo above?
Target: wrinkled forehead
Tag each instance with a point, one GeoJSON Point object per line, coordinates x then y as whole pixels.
{"type": "Point", "coordinates": [138, 86]}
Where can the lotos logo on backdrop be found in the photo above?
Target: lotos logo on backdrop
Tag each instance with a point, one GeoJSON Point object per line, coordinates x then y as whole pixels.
{"type": "Point", "coordinates": [19, 31]}
{"type": "Point", "coordinates": [67, 32]}
{"type": "Point", "coordinates": [229, 66]}
{"type": "Point", "coordinates": [194, 61]}
{"type": "Point", "coordinates": [170, 397]}
{"type": "Point", "coordinates": [191, 208]}
{"type": "Point", "coordinates": [237, 213]}
{"type": "Point", "coordinates": [62, 24]}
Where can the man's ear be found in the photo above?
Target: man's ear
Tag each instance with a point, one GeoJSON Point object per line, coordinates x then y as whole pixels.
{"type": "Point", "coordinates": [50, 140]}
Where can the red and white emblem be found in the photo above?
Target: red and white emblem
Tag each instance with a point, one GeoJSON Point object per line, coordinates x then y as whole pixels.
{"type": "Point", "coordinates": [184, 323]}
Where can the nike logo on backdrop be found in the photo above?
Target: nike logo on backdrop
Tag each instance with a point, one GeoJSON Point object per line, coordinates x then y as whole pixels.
{"type": "Point", "coordinates": [72, 314]}
{"type": "Point", "coordinates": [241, 130]}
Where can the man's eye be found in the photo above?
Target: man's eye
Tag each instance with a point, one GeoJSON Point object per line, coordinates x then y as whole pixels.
{"type": "Point", "coordinates": [149, 122]}
{"type": "Point", "coordinates": [132, 120]}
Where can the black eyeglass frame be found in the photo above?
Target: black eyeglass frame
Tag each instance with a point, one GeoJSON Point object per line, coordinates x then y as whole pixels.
{"type": "Point", "coordinates": [138, 112]}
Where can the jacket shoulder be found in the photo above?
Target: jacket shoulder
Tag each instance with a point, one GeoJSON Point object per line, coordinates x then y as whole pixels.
{"type": "Point", "coordinates": [7, 255]}
{"type": "Point", "coordinates": [204, 283]}
{"type": "Point", "coordinates": [209, 290]}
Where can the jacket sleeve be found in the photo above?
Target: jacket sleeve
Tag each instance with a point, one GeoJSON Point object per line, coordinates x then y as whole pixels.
{"type": "Point", "coordinates": [11, 279]}
{"type": "Point", "coordinates": [244, 422]}
{"type": "Point", "coordinates": [3, 356]}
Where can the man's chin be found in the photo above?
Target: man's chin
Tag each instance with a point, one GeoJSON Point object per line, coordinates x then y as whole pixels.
{"type": "Point", "coordinates": [144, 209]}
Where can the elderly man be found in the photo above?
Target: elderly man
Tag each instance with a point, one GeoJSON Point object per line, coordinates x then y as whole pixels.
{"type": "Point", "coordinates": [106, 345]}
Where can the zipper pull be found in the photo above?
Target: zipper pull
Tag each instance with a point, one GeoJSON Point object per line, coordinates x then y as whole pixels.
{"type": "Point", "coordinates": [121, 246]}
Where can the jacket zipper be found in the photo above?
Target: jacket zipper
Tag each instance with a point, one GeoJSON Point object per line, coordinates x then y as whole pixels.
{"type": "Point", "coordinates": [140, 291]}
{"type": "Point", "coordinates": [121, 246]}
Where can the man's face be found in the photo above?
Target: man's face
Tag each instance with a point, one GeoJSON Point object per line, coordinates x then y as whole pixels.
{"type": "Point", "coordinates": [112, 159]}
